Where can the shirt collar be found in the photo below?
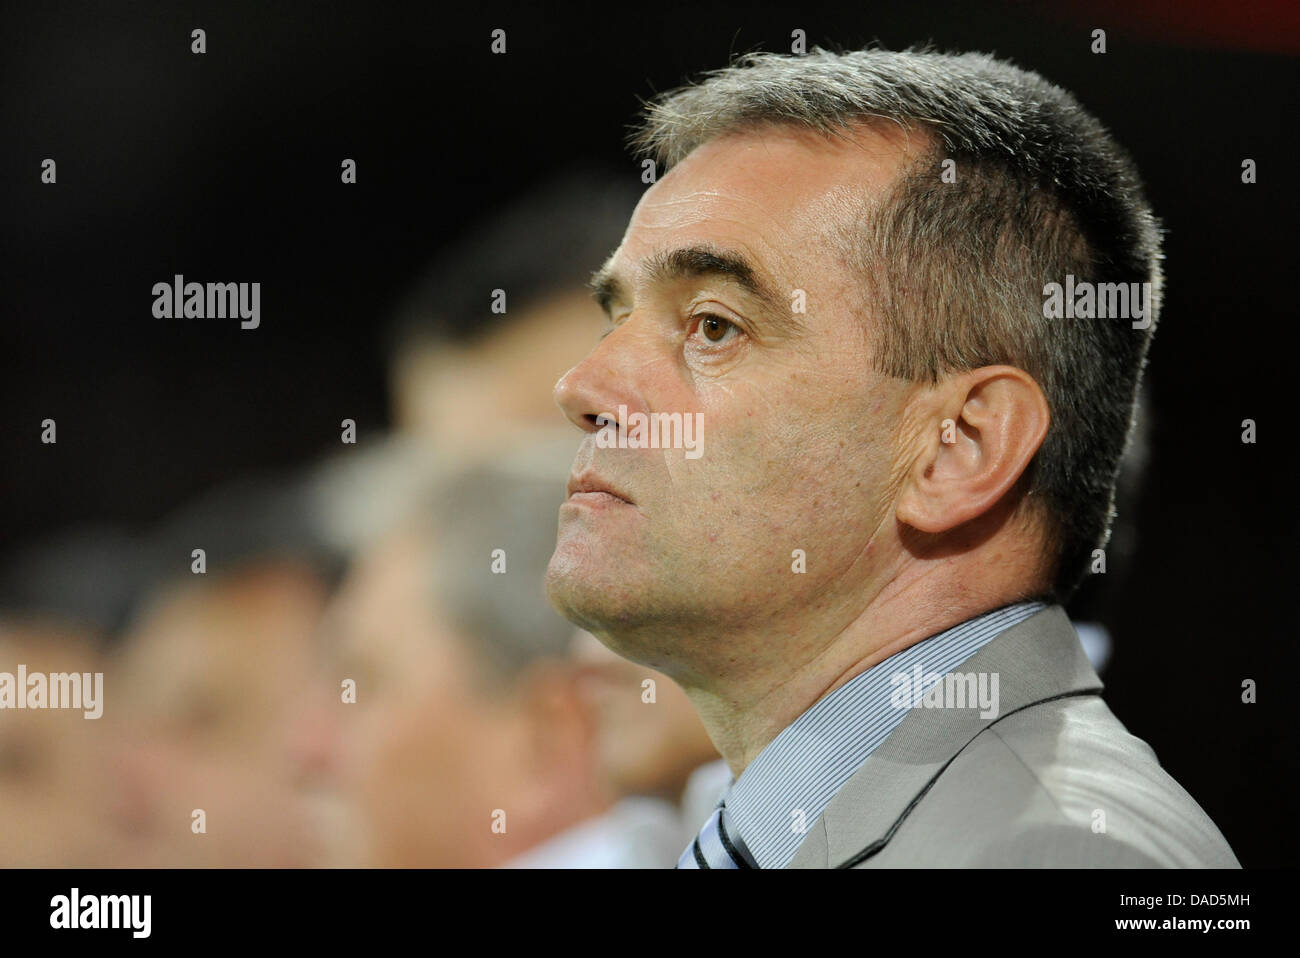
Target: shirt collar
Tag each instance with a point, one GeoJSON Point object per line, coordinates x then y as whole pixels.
{"type": "Point", "coordinates": [783, 792]}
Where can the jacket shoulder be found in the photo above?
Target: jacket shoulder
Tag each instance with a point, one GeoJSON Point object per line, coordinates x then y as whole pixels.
{"type": "Point", "coordinates": [1061, 783]}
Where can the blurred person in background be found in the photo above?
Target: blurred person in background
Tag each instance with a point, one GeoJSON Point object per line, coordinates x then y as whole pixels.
{"type": "Point", "coordinates": [53, 776]}
{"type": "Point", "coordinates": [61, 600]}
{"type": "Point", "coordinates": [469, 744]}
{"type": "Point", "coordinates": [650, 740]}
{"type": "Point", "coordinates": [207, 680]}
{"type": "Point", "coordinates": [469, 368]}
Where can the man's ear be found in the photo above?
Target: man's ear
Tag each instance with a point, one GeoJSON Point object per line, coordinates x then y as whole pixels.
{"type": "Point", "coordinates": [980, 429]}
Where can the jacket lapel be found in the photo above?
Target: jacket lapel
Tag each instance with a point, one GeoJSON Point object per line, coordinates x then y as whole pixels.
{"type": "Point", "coordinates": [1039, 659]}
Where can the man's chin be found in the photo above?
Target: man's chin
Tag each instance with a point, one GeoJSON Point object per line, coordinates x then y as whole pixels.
{"type": "Point", "coordinates": [573, 594]}
{"type": "Point", "coordinates": [593, 590]}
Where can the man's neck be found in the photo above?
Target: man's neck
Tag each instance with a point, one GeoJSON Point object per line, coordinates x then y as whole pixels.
{"type": "Point", "coordinates": [743, 716]}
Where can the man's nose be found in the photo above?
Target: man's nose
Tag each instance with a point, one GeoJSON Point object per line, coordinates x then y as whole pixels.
{"type": "Point", "coordinates": [606, 379]}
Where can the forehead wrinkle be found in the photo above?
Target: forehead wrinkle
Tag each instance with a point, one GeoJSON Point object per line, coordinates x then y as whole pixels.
{"type": "Point", "coordinates": [671, 214]}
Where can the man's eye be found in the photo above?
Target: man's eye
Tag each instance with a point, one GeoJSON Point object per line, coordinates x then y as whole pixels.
{"type": "Point", "coordinates": [716, 329]}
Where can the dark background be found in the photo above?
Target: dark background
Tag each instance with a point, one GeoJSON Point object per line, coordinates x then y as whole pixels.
{"type": "Point", "coordinates": [225, 166]}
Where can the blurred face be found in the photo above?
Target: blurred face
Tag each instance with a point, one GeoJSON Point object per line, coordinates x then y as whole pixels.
{"type": "Point", "coordinates": [421, 749]}
{"type": "Point", "coordinates": [648, 745]}
{"type": "Point", "coordinates": [52, 775]}
{"type": "Point", "coordinates": [657, 550]}
{"type": "Point", "coordinates": [207, 688]}
{"type": "Point", "coordinates": [467, 397]}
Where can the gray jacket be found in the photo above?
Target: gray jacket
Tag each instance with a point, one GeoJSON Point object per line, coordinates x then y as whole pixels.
{"type": "Point", "coordinates": [1054, 779]}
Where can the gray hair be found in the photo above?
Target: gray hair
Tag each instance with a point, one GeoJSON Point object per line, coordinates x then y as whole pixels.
{"type": "Point", "coordinates": [953, 274]}
{"type": "Point", "coordinates": [504, 618]}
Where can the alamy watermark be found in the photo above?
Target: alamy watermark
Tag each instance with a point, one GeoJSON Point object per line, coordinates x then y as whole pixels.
{"type": "Point", "coordinates": [920, 689]}
{"type": "Point", "coordinates": [1085, 300]}
{"type": "Point", "coordinates": [655, 430]}
{"type": "Point", "coordinates": [55, 690]}
{"type": "Point", "coordinates": [181, 300]}
{"type": "Point", "coordinates": [75, 910]}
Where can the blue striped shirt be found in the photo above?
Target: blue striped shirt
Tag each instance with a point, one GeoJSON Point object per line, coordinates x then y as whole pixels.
{"type": "Point", "coordinates": [784, 791]}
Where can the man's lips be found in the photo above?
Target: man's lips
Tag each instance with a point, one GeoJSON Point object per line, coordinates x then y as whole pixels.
{"type": "Point", "coordinates": [591, 486]}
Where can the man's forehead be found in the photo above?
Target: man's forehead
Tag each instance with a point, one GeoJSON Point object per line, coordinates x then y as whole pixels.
{"type": "Point", "coordinates": [793, 163]}
{"type": "Point", "coordinates": [770, 192]}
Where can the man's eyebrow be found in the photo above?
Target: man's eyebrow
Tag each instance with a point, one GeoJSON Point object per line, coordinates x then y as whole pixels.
{"type": "Point", "coordinates": [693, 261]}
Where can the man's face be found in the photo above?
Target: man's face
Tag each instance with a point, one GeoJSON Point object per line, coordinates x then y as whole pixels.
{"type": "Point", "coordinates": [799, 433]}
{"type": "Point", "coordinates": [207, 682]}
{"type": "Point", "coordinates": [54, 769]}
{"type": "Point", "coordinates": [422, 752]}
